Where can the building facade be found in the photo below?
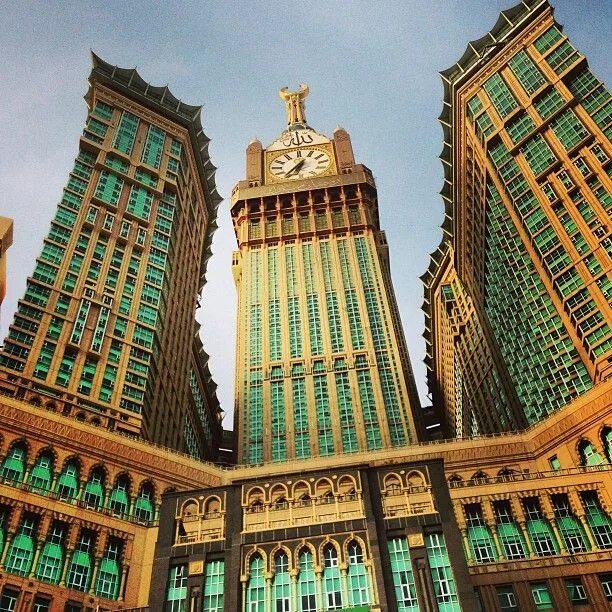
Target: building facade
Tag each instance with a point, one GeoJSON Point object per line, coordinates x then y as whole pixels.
{"type": "Point", "coordinates": [517, 297]}
{"type": "Point", "coordinates": [106, 328]}
{"type": "Point", "coordinates": [322, 366]}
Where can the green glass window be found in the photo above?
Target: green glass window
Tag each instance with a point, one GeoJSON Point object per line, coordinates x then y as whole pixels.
{"type": "Point", "coordinates": [570, 528]}
{"type": "Point", "coordinates": [52, 253]}
{"type": "Point", "coordinates": [212, 600]}
{"type": "Point", "coordinates": [13, 466]}
{"type": "Point", "coordinates": [108, 577]}
{"type": "Point", "coordinates": [526, 72]}
{"type": "Point", "coordinates": [300, 418]}
{"type": "Point", "coordinates": [81, 319]}
{"type": "Point", "coordinates": [331, 300]}
{"type": "Point", "coordinates": [116, 164]}
{"type": "Point", "coordinates": [103, 110]}
{"type": "Point", "coordinates": [562, 57]}
{"type": "Point", "coordinates": [119, 499]}
{"type": "Point", "coordinates": [80, 568]}
{"type": "Point", "coordinates": [473, 106]}
{"type": "Point", "coordinates": [345, 410]}
{"type": "Point", "coordinates": [500, 95]}
{"type": "Point", "coordinates": [278, 421]}
{"type": "Point", "coordinates": [126, 132]}
{"type": "Point", "coordinates": [44, 360]}
{"type": "Point", "coordinates": [109, 187]}
{"type": "Point", "coordinates": [139, 203]}
{"type": "Point", "coordinates": [324, 424]}
{"type": "Point", "coordinates": [541, 596]}
{"type": "Point", "coordinates": [598, 521]}
{"type": "Point", "coordinates": [479, 535]}
{"type": "Point", "coordinates": [484, 125]}
{"type": "Point", "coordinates": [441, 573]}
{"type": "Point", "coordinates": [510, 535]}
{"type": "Point", "coordinates": [538, 154]}
{"type": "Point", "coordinates": [35, 294]}
{"type": "Point", "coordinates": [520, 127]}
{"type": "Point", "coordinates": [281, 584]}
{"type": "Point", "coordinates": [332, 584]}
{"type": "Point", "coordinates": [589, 454]}
{"type": "Point", "coordinates": [255, 418]}
{"type": "Point", "coordinates": [154, 146]}
{"type": "Point", "coordinates": [176, 595]}
{"type": "Point", "coordinates": [569, 129]}
{"type": "Point", "coordinates": [21, 550]}
{"type": "Point", "coordinates": [144, 507]}
{"type": "Point", "coordinates": [368, 409]}
{"type": "Point", "coordinates": [403, 578]}
{"type": "Point", "coordinates": [576, 592]}
{"type": "Point", "coordinates": [357, 578]}
{"type": "Point", "coordinates": [51, 559]}
{"type": "Point", "coordinates": [307, 590]}
{"type": "Point", "coordinates": [549, 103]}
{"type": "Point", "coordinates": [93, 491]}
{"type": "Point", "coordinates": [41, 474]}
{"type": "Point", "coordinates": [145, 177]}
{"type": "Point", "coordinates": [548, 39]}
{"type": "Point", "coordinates": [96, 127]}
{"type": "Point", "coordinates": [256, 587]}
{"type": "Point", "coordinates": [540, 532]}
{"type": "Point", "coordinates": [67, 486]}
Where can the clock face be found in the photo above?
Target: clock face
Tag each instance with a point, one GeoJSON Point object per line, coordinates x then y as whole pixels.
{"type": "Point", "coordinates": [300, 164]}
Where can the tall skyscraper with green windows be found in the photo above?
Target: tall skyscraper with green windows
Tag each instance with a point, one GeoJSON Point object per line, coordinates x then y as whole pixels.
{"type": "Point", "coordinates": [106, 330]}
{"type": "Point", "coordinates": [322, 366]}
{"type": "Point", "coordinates": [518, 295]}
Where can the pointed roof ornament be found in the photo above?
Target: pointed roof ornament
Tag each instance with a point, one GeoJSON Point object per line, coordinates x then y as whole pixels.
{"type": "Point", "coordinates": [294, 103]}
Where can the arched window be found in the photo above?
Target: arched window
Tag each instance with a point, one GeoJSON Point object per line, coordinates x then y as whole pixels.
{"type": "Point", "coordinates": [79, 571]}
{"type": "Point", "coordinates": [332, 584]}
{"type": "Point", "coordinates": [144, 510]}
{"type": "Point", "coordinates": [280, 503]}
{"type": "Point", "coordinates": [281, 587]}
{"type": "Point", "coordinates": [606, 438]}
{"type": "Point", "coordinates": [41, 474]}
{"type": "Point", "coordinates": [4, 516]}
{"type": "Point", "coordinates": [393, 485]}
{"type": "Point", "coordinates": [589, 454]}
{"type": "Point", "coordinates": [307, 586]}
{"type": "Point", "coordinates": [108, 577]}
{"type": "Point", "coordinates": [13, 466]}
{"type": "Point", "coordinates": [67, 486]}
{"type": "Point", "coordinates": [93, 492]}
{"type": "Point", "coordinates": [357, 576]}
{"type": "Point", "coordinates": [21, 552]}
{"type": "Point", "coordinates": [212, 508]}
{"type": "Point", "coordinates": [256, 589]}
{"type": "Point", "coordinates": [51, 559]}
{"type": "Point", "coordinates": [119, 499]}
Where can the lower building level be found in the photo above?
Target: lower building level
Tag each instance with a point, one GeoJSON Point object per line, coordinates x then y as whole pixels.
{"type": "Point", "coordinates": [92, 520]}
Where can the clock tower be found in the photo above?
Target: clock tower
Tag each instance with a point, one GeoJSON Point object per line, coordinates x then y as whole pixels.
{"type": "Point", "coordinates": [321, 364]}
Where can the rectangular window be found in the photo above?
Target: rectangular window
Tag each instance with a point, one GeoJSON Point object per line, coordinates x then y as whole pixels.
{"type": "Point", "coordinates": [103, 110]}
{"type": "Point", "coordinates": [538, 154]}
{"type": "Point", "coordinates": [520, 127]}
{"type": "Point", "coordinates": [569, 129]}
{"type": "Point", "coordinates": [154, 146]}
{"type": "Point", "coordinates": [109, 187]}
{"type": "Point", "coordinates": [549, 103]}
{"type": "Point", "coordinates": [126, 132]}
{"type": "Point", "coordinates": [506, 598]}
{"type": "Point", "coordinates": [500, 95]}
{"type": "Point", "coordinates": [576, 591]}
{"type": "Point", "coordinates": [139, 203]}
{"type": "Point", "coordinates": [526, 72]}
{"type": "Point", "coordinates": [561, 58]}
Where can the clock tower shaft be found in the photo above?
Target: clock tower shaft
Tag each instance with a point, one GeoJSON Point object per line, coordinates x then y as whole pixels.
{"type": "Point", "coordinates": [321, 366]}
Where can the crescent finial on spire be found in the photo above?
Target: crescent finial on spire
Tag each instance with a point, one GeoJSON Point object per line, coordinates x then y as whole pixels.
{"type": "Point", "coordinates": [294, 103]}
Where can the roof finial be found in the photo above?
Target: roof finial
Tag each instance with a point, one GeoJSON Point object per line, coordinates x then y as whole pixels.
{"type": "Point", "coordinates": [294, 102]}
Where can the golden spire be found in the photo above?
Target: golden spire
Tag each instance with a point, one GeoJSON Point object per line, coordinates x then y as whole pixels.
{"type": "Point", "coordinates": [294, 102]}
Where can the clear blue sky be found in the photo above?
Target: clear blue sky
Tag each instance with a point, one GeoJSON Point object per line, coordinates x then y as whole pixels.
{"type": "Point", "coordinates": [372, 67]}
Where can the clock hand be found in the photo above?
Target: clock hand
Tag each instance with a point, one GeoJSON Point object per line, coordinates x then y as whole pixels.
{"type": "Point", "coordinates": [296, 167]}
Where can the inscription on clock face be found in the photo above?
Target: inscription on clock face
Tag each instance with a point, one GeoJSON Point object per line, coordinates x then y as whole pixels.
{"type": "Point", "coordinates": [300, 164]}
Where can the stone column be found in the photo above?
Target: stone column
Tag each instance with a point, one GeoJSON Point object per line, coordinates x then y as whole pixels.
{"type": "Point", "coordinates": [319, 579]}
{"type": "Point", "coordinates": [35, 561]}
{"type": "Point", "coordinates": [69, 551]}
{"type": "Point", "coordinates": [293, 574]}
{"type": "Point", "coordinates": [523, 527]}
{"type": "Point", "coordinates": [344, 582]}
{"type": "Point", "coordinates": [94, 575]}
{"type": "Point", "coordinates": [466, 546]}
{"type": "Point", "coordinates": [269, 576]}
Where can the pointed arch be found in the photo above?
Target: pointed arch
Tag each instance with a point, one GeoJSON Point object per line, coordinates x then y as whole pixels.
{"type": "Point", "coordinates": [306, 583]}
{"type": "Point", "coordinates": [358, 580]}
{"type": "Point", "coordinates": [606, 440]}
{"type": "Point", "coordinates": [119, 498]}
{"type": "Point", "coordinates": [68, 482]}
{"type": "Point", "coordinates": [15, 461]}
{"type": "Point", "coordinates": [41, 474]}
{"type": "Point", "coordinates": [588, 453]}
{"type": "Point", "coordinates": [255, 561]}
{"type": "Point", "coordinates": [281, 582]}
{"type": "Point", "coordinates": [94, 492]}
{"type": "Point", "coordinates": [144, 504]}
{"type": "Point", "coordinates": [333, 598]}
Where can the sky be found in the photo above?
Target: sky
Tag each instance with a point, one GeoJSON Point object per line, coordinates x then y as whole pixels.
{"type": "Point", "coordinates": [372, 68]}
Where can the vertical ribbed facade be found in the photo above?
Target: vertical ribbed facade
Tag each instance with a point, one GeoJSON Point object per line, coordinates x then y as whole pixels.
{"type": "Point", "coordinates": [527, 131]}
{"type": "Point", "coordinates": [322, 367]}
{"type": "Point", "coordinates": [106, 325]}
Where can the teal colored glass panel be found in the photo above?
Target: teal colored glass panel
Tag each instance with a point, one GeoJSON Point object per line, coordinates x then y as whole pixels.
{"type": "Point", "coordinates": [324, 425]}
{"type": "Point", "coordinates": [543, 541]}
{"type": "Point", "coordinates": [20, 555]}
{"type": "Point", "coordinates": [500, 95]}
{"type": "Point", "coordinates": [569, 129]}
{"type": "Point", "coordinates": [51, 559]}
{"type": "Point", "coordinates": [538, 154]}
{"type": "Point", "coordinates": [154, 146]}
{"type": "Point", "coordinates": [541, 596]}
{"type": "Point", "coordinates": [548, 103]}
{"type": "Point", "coordinates": [93, 492]}
{"type": "Point", "coordinates": [357, 578]}
{"type": "Point", "coordinates": [300, 418]}
{"type": "Point", "coordinates": [348, 431]}
{"type": "Point", "coordinates": [281, 583]}
{"type": "Point", "coordinates": [278, 421]}
{"type": "Point", "coordinates": [103, 110]}
{"type": "Point", "coordinates": [109, 188]}
{"type": "Point", "coordinates": [368, 410]}
{"type": "Point", "coordinates": [403, 577]}
{"type": "Point", "coordinates": [255, 418]}
{"type": "Point", "coordinates": [116, 164]}
{"type": "Point", "coordinates": [333, 598]}
{"type": "Point", "coordinates": [306, 584]}
{"type": "Point", "coordinates": [212, 599]}
{"type": "Point", "coordinates": [548, 39]}
{"type": "Point", "coordinates": [520, 127]}
{"type": "Point", "coordinates": [41, 474]}
{"type": "Point", "coordinates": [479, 537]}
{"type": "Point", "coordinates": [526, 72]}
{"type": "Point", "coordinates": [67, 486]}
{"type": "Point", "coordinates": [598, 521]}
{"type": "Point", "coordinates": [126, 132]}
{"type": "Point", "coordinates": [441, 573]}
{"type": "Point", "coordinates": [139, 202]}
{"type": "Point", "coordinates": [79, 571]}
{"type": "Point", "coordinates": [561, 58]}
{"type": "Point", "coordinates": [510, 535]}
{"type": "Point", "coordinates": [256, 586]}
{"type": "Point", "coordinates": [176, 594]}
{"type": "Point", "coordinates": [13, 466]}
